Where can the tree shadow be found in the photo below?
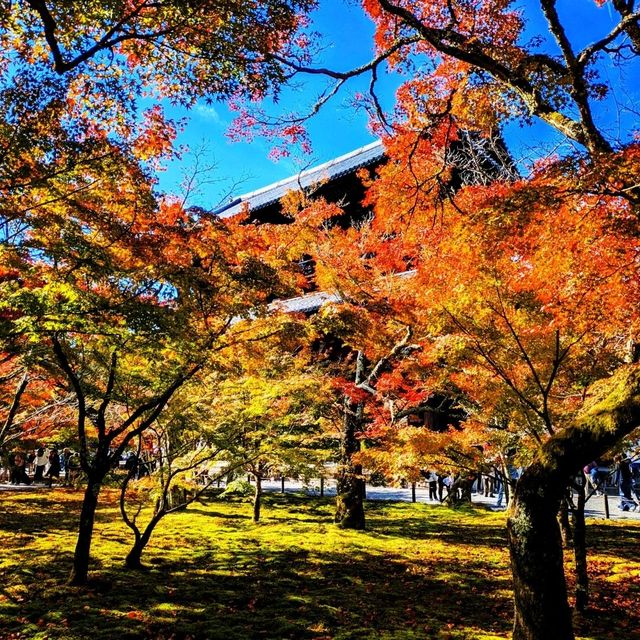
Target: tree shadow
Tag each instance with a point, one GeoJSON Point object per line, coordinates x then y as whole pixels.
{"type": "Point", "coordinates": [618, 540]}
{"type": "Point", "coordinates": [283, 594]}
{"type": "Point", "coordinates": [34, 514]}
{"type": "Point", "coordinates": [455, 532]}
{"type": "Point", "coordinates": [235, 588]}
{"type": "Point", "coordinates": [218, 514]}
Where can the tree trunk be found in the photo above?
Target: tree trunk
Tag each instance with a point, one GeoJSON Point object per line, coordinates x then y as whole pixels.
{"type": "Point", "coordinates": [580, 551]}
{"type": "Point", "coordinates": [565, 527]}
{"type": "Point", "coordinates": [350, 489]}
{"type": "Point", "coordinates": [134, 557]}
{"type": "Point", "coordinates": [80, 571]}
{"type": "Point", "coordinates": [257, 497]}
{"type": "Point", "coordinates": [541, 607]}
{"type": "Point", "coordinates": [465, 490]}
{"type": "Point", "coordinates": [413, 492]}
{"type": "Point", "coordinates": [459, 492]}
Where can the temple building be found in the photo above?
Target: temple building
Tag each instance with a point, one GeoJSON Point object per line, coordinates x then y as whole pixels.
{"type": "Point", "coordinates": [335, 181]}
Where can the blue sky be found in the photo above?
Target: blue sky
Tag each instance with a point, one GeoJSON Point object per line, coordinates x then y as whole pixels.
{"type": "Point", "coordinates": [338, 129]}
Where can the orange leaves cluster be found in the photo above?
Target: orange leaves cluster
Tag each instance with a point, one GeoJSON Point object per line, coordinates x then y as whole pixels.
{"type": "Point", "coordinates": [156, 137]}
{"type": "Point", "coordinates": [519, 293]}
{"type": "Point", "coordinates": [447, 84]}
{"type": "Point", "coordinates": [539, 282]}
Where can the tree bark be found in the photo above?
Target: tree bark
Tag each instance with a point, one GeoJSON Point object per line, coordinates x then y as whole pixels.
{"type": "Point", "coordinates": [80, 570]}
{"type": "Point", "coordinates": [134, 557]}
{"type": "Point", "coordinates": [541, 606]}
{"type": "Point", "coordinates": [350, 489]}
{"type": "Point", "coordinates": [5, 430]}
{"type": "Point", "coordinates": [257, 498]}
{"type": "Point", "coordinates": [459, 492]}
{"type": "Point", "coordinates": [565, 527]}
{"type": "Point", "coordinates": [580, 550]}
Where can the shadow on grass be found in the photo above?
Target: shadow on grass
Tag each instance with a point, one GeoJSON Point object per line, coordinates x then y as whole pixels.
{"type": "Point", "coordinates": [619, 540]}
{"type": "Point", "coordinates": [262, 594]}
{"type": "Point", "coordinates": [238, 588]}
{"type": "Point", "coordinates": [36, 513]}
{"type": "Point", "coordinates": [446, 527]}
{"type": "Point", "coordinates": [217, 514]}
{"type": "Point", "coordinates": [242, 585]}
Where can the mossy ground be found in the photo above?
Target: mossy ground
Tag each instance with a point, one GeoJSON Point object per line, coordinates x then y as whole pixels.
{"type": "Point", "coordinates": [419, 571]}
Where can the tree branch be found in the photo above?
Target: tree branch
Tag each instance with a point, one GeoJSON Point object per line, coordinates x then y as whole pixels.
{"type": "Point", "coordinates": [100, 419]}
{"type": "Point", "coordinates": [66, 367]}
{"type": "Point", "coordinates": [460, 47]}
{"type": "Point", "coordinates": [15, 406]}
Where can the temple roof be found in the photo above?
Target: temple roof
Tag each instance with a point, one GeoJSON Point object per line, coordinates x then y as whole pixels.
{"type": "Point", "coordinates": [311, 302]}
{"type": "Point", "coordinates": [328, 171]}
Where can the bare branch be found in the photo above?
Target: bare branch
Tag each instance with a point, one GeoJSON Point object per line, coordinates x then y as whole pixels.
{"type": "Point", "coordinates": [65, 365]}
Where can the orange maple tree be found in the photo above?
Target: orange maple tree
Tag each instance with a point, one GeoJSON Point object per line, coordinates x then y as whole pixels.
{"type": "Point", "coordinates": [524, 293]}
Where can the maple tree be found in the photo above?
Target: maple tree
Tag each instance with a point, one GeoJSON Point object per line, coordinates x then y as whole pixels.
{"type": "Point", "coordinates": [363, 335]}
{"type": "Point", "coordinates": [15, 381]}
{"type": "Point", "coordinates": [73, 75]}
{"type": "Point", "coordinates": [120, 294]}
{"type": "Point", "coordinates": [172, 465]}
{"type": "Point", "coordinates": [523, 299]}
{"type": "Point", "coordinates": [129, 302]}
{"type": "Point", "coordinates": [273, 407]}
{"type": "Point", "coordinates": [525, 290]}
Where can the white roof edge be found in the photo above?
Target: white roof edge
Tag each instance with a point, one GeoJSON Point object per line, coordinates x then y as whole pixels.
{"type": "Point", "coordinates": [306, 172]}
{"type": "Point", "coordinates": [317, 298]}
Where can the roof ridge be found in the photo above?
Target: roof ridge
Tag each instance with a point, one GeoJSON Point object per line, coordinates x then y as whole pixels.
{"type": "Point", "coordinates": [300, 176]}
{"type": "Point", "coordinates": [311, 170]}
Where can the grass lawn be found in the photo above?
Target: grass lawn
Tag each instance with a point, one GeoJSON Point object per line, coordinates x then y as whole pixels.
{"type": "Point", "coordinates": [419, 571]}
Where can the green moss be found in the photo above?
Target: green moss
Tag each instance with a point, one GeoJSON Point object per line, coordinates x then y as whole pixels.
{"type": "Point", "coordinates": [419, 571]}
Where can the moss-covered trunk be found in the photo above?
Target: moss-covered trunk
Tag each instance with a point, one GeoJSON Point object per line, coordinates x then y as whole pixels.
{"type": "Point", "coordinates": [540, 592]}
{"type": "Point", "coordinates": [350, 485]}
{"type": "Point", "coordinates": [541, 607]}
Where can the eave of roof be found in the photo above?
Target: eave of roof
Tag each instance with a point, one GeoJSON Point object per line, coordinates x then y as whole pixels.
{"type": "Point", "coordinates": [312, 302]}
{"type": "Point", "coordinates": [331, 170]}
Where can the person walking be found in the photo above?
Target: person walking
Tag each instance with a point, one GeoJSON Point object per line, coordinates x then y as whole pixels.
{"type": "Point", "coordinates": [432, 479]}
{"type": "Point", "coordinates": [54, 466]}
{"type": "Point", "coordinates": [42, 456]}
{"type": "Point", "coordinates": [19, 473]}
{"type": "Point", "coordinates": [440, 478]}
{"type": "Point", "coordinates": [625, 484]}
{"type": "Point", "coordinates": [67, 454]}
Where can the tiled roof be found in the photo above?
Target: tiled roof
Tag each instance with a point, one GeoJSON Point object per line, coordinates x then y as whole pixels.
{"type": "Point", "coordinates": [304, 304]}
{"type": "Point", "coordinates": [311, 302]}
{"type": "Point", "coordinates": [348, 163]}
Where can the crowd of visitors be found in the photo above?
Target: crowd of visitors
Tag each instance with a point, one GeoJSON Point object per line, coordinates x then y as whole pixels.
{"type": "Point", "coordinates": [43, 465]}
{"type": "Point", "coordinates": [46, 464]}
{"type": "Point", "coordinates": [627, 479]}
{"type": "Point", "coordinates": [623, 478]}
